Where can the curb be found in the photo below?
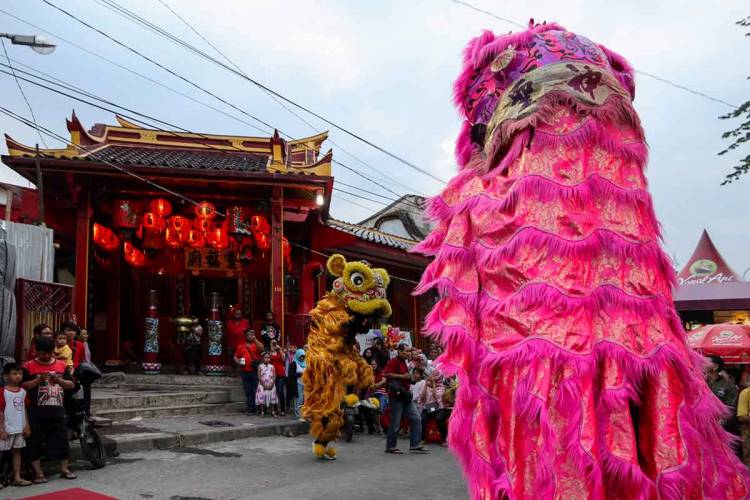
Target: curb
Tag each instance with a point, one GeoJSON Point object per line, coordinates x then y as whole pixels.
{"type": "Point", "coordinates": [167, 441]}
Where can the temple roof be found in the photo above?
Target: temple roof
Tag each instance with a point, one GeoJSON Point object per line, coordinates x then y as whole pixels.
{"type": "Point", "coordinates": [181, 158]}
{"type": "Point", "coordinates": [128, 143]}
{"type": "Point", "coordinates": [706, 266]}
{"type": "Point", "coordinates": [372, 235]}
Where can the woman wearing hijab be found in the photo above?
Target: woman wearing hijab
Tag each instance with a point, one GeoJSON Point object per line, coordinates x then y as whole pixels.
{"type": "Point", "coordinates": [299, 366]}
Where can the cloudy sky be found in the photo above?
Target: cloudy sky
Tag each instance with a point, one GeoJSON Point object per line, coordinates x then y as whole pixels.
{"type": "Point", "coordinates": [384, 69]}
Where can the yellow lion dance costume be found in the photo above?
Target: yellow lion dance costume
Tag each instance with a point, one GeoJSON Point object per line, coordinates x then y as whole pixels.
{"type": "Point", "coordinates": [357, 300]}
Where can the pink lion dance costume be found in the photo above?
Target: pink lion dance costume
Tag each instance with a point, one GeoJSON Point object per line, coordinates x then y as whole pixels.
{"type": "Point", "coordinates": [575, 379]}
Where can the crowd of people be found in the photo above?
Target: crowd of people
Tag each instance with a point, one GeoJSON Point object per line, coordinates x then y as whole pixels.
{"type": "Point", "coordinates": [36, 397]}
{"type": "Point", "coordinates": [732, 387]}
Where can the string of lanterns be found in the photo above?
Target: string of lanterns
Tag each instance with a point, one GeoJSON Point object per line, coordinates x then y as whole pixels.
{"type": "Point", "coordinates": [158, 227]}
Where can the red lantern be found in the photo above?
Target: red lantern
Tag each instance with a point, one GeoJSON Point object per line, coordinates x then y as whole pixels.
{"type": "Point", "coordinates": [173, 238]}
{"type": "Point", "coordinates": [105, 237]}
{"type": "Point", "coordinates": [178, 223]}
{"type": "Point", "coordinates": [286, 248]}
{"type": "Point", "coordinates": [218, 236]}
{"type": "Point", "coordinates": [202, 225]}
{"type": "Point", "coordinates": [259, 224]}
{"type": "Point", "coordinates": [132, 255]}
{"type": "Point", "coordinates": [161, 207]}
{"type": "Point", "coordinates": [195, 239]}
{"type": "Point", "coordinates": [153, 222]}
{"type": "Point", "coordinates": [205, 210]}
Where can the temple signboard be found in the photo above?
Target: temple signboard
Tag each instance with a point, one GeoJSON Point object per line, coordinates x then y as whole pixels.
{"type": "Point", "coordinates": [209, 259]}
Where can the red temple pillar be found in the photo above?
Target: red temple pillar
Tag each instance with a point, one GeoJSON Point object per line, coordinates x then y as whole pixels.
{"type": "Point", "coordinates": [151, 363]}
{"type": "Point", "coordinates": [214, 364]}
{"type": "Point", "coordinates": [83, 229]}
{"type": "Point", "coordinates": [277, 257]}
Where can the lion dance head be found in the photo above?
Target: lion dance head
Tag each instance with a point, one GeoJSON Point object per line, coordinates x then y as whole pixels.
{"type": "Point", "coordinates": [334, 365]}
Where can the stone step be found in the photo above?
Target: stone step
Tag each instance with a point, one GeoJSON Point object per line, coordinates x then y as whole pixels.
{"type": "Point", "coordinates": [123, 414]}
{"type": "Point", "coordinates": [235, 393]}
{"type": "Point", "coordinates": [182, 380]}
{"type": "Point", "coordinates": [123, 399]}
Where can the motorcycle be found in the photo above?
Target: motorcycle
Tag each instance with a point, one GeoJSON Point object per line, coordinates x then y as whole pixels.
{"type": "Point", "coordinates": [351, 414]}
{"type": "Point", "coordinates": [89, 439]}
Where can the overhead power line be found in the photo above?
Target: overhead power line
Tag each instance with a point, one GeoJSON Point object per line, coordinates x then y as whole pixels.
{"type": "Point", "coordinates": [197, 101]}
{"type": "Point", "coordinates": [119, 111]}
{"type": "Point", "coordinates": [23, 94]}
{"type": "Point", "coordinates": [277, 100]}
{"type": "Point", "coordinates": [640, 72]}
{"type": "Point", "coordinates": [254, 82]}
{"type": "Point", "coordinates": [212, 94]}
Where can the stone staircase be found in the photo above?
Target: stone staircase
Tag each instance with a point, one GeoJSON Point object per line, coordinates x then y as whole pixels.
{"type": "Point", "coordinates": [120, 397]}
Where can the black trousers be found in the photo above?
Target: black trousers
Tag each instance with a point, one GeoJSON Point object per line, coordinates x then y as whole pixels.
{"type": "Point", "coordinates": [193, 358]}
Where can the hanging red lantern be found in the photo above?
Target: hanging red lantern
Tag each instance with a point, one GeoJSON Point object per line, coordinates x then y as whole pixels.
{"type": "Point", "coordinates": [105, 237]}
{"type": "Point", "coordinates": [133, 256]}
{"type": "Point", "coordinates": [218, 236]}
{"type": "Point", "coordinates": [202, 225]}
{"type": "Point", "coordinates": [195, 239]}
{"type": "Point", "coordinates": [286, 248]}
{"type": "Point", "coordinates": [152, 222]}
{"type": "Point", "coordinates": [173, 238]}
{"type": "Point", "coordinates": [259, 224]}
{"type": "Point", "coordinates": [178, 223]}
{"type": "Point", "coordinates": [161, 207]}
{"type": "Point", "coordinates": [125, 214]}
{"type": "Point", "coordinates": [205, 210]}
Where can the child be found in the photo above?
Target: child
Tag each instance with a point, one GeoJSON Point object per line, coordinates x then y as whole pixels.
{"type": "Point", "coordinates": [265, 396]}
{"type": "Point", "coordinates": [63, 351]}
{"type": "Point", "coordinates": [83, 337]}
{"type": "Point", "coordinates": [45, 379]}
{"type": "Point", "coordinates": [14, 422]}
{"type": "Point", "coordinates": [277, 360]}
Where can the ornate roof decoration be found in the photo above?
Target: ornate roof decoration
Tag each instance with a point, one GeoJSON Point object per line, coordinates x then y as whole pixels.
{"type": "Point", "coordinates": [128, 142]}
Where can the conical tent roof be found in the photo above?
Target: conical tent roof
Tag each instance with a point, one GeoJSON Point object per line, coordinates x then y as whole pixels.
{"type": "Point", "coordinates": [706, 265]}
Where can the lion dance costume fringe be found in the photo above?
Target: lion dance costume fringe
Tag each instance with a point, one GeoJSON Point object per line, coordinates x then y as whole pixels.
{"type": "Point", "coordinates": [333, 362]}
{"type": "Point", "coordinates": [575, 379]}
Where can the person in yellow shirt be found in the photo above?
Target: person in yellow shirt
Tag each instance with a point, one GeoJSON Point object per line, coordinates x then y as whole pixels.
{"type": "Point", "coordinates": [743, 415]}
{"type": "Point", "coordinates": [63, 351]}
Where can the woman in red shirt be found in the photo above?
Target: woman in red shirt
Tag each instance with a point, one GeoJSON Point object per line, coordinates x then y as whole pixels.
{"type": "Point", "coordinates": [277, 360]}
{"type": "Point", "coordinates": [236, 327]}
{"type": "Point", "coordinates": [246, 356]}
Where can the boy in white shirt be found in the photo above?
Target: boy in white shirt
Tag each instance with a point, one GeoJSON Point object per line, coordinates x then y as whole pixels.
{"type": "Point", "coordinates": [14, 421]}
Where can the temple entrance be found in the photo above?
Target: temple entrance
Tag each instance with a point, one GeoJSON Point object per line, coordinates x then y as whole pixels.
{"type": "Point", "coordinates": [200, 294]}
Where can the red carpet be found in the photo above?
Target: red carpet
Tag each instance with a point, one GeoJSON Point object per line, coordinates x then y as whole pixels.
{"type": "Point", "coordinates": [77, 493]}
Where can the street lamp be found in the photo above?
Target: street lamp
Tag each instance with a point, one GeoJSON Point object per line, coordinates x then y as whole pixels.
{"type": "Point", "coordinates": [38, 43]}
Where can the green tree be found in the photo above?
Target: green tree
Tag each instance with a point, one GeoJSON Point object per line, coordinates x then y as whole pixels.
{"type": "Point", "coordinates": [741, 134]}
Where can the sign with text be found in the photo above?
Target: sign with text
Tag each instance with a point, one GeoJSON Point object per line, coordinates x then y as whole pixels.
{"type": "Point", "coordinates": [209, 259]}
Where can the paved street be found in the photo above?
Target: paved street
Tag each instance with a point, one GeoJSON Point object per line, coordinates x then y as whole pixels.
{"type": "Point", "coordinates": [269, 468]}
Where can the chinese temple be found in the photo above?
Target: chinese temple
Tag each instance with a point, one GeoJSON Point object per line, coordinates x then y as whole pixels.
{"type": "Point", "coordinates": [709, 291]}
{"type": "Point", "coordinates": [243, 220]}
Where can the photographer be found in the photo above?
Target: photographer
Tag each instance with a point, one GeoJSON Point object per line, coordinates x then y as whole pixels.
{"type": "Point", "coordinates": [399, 383]}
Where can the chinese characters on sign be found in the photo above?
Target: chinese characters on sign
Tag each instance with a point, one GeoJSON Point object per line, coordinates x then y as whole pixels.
{"type": "Point", "coordinates": [209, 259]}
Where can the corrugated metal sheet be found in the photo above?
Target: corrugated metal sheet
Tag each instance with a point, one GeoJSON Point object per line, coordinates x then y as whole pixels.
{"type": "Point", "coordinates": [35, 253]}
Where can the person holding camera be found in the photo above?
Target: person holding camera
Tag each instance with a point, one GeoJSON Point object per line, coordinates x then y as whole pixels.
{"type": "Point", "coordinates": [399, 382]}
{"type": "Point", "coordinates": [247, 356]}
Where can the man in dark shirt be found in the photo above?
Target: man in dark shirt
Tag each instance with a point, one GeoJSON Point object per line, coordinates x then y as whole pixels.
{"type": "Point", "coordinates": [399, 382]}
{"type": "Point", "coordinates": [270, 331]}
{"type": "Point", "coordinates": [720, 383]}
